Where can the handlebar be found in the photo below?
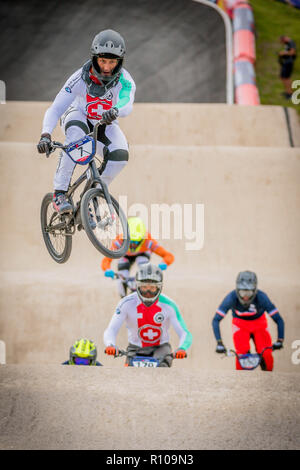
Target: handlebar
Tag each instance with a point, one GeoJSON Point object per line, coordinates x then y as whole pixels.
{"type": "Point", "coordinates": [55, 144]}
{"type": "Point", "coordinates": [232, 352]}
{"type": "Point", "coordinates": [122, 352]}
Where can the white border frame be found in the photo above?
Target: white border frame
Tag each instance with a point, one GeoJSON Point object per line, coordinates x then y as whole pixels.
{"type": "Point", "coordinates": [2, 352]}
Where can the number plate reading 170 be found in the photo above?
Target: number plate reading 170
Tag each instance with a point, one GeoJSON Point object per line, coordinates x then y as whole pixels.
{"type": "Point", "coordinates": [144, 362]}
{"type": "Point", "coordinates": [82, 151]}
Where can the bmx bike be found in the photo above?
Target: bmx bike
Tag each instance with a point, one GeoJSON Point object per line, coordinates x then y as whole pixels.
{"type": "Point", "coordinates": [96, 211]}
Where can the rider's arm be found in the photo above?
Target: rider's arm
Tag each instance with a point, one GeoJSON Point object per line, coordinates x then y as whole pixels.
{"type": "Point", "coordinates": [280, 325]}
{"type": "Point", "coordinates": [111, 332]}
{"type": "Point", "coordinates": [273, 312]}
{"type": "Point", "coordinates": [105, 263]}
{"type": "Point", "coordinates": [154, 246]}
{"type": "Point", "coordinates": [221, 313]}
{"type": "Point", "coordinates": [126, 94]}
{"type": "Point", "coordinates": [166, 256]}
{"type": "Point", "coordinates": [216, 326]}
{"type": "Point", "coordinates": [178, 323]}
{"type": "Point", "coordinates": [63, 100]}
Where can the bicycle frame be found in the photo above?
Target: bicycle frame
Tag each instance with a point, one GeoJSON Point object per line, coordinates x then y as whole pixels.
{"type": "Point", "coordinates": [91, 175]}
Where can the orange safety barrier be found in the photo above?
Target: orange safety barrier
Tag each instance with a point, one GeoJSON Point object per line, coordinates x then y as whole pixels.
{"type": "Point", "coordinates": [244, 45]}
{"type": "Point", "coordinates": [247, 94]}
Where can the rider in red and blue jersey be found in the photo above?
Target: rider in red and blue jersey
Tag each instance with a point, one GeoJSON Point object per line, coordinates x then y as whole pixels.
{"type": "Point", "coordinates": [248, 306]}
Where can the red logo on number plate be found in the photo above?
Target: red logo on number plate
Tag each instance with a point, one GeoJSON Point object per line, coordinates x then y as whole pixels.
{"type": "Point", "coordinates": [96, 106]}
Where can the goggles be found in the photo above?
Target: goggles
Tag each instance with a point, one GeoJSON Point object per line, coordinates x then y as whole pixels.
{"type": "Point", "coordinates": [81, 361]}
{"type": "Point", "coordinates": [149, 289]}
{"type": "Point", "coordinates": [246, 293]}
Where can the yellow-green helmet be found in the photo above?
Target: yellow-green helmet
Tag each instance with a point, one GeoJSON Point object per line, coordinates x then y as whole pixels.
{"type": "Point", "coordinates": [83, 352]}
{"type": "Point", "coordinates": [137, 232]}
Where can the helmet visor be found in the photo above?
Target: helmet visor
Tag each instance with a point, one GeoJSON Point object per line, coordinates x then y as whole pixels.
{"type": "Point", "coordinates": [81, 361]}
{"type": "Point", "coordinates": [246, 294]}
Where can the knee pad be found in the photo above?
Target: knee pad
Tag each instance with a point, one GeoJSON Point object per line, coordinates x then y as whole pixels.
{"type": "Point", "coordinates": [76, 129]}
{"type": "Point", "coordinates": [117, 155]}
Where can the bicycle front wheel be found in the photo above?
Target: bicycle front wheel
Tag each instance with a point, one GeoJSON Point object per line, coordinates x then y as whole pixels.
{"type": "Point", "coordinates": [102, 227]}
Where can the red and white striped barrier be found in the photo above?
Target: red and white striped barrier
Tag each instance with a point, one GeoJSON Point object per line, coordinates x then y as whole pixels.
{"type": "Point", "coordinates": [244, 54]}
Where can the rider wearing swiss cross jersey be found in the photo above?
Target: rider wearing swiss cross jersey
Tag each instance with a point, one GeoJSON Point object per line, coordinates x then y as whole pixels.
{"type": "Point", "coordinates": [248, 305]}
{"type": "Point", "coordinates": [148, 316]}
{"type": "Point", "coordinates": [100, 90]}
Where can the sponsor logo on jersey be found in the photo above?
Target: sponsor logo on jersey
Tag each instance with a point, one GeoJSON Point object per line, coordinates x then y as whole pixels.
{"type": "Point", "coordinates": [72, 83]}
{"type": "Point", "coordinates": [158, 318]}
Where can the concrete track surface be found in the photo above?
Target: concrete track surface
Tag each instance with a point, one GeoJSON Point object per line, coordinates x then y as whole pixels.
{"type": "Point", "coordinates": [251, 201]}
{"type": "Point", "coordinates": [175, 48]}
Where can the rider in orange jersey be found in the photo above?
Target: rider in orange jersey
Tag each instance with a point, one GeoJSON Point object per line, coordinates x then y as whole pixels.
{"type": "Point", "coordinates": [142, 245]}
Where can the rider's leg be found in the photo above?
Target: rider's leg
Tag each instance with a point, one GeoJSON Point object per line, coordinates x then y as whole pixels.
{"type": "Point", "coordinates": [116, 156]}
{"type": "Point", "coordinates": [161, 351]}
{"type": "Point", "coordinates": [263, 339]}
{"type": "Point", "coordinates": [132, 350]}
{"type": "Point", "coordinates": [241, 338]}
{"type": "Point", "coordinates": [123, 270]}
{"type": "Point", "coordinates": [74, 126]}
{"type": "Point", "coordinates": [142, 259]}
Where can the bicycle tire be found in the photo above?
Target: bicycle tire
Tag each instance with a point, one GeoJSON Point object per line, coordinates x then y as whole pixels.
{"type": "Point", "coordinates": [59, 257]}
{"type": "Point", "coordinates": [85, 218]}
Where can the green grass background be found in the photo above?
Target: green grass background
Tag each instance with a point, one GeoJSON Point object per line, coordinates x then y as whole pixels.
{"type": "Point", "coordinates": [273, 19]}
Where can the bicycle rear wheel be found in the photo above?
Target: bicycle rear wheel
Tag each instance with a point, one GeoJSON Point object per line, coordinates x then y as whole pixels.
{"type": "Point", "coordinates": [58, 244]}
{"type": "Point", "coordinates": [100, 227]}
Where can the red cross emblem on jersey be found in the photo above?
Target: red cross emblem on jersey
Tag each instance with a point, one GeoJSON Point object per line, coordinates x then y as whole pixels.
{"type": "Point", "coordinates": [95, 106]}
{"type": "Point", "coordinates": [149, 328]}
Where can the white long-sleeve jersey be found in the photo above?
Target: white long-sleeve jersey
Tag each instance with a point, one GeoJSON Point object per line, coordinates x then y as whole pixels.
{"type": "Point", "coordinates": [74, 93]}
{"type": "Point", "coordinates": [147, 326]}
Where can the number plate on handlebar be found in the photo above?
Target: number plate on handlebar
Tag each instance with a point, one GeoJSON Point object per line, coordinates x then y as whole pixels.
{"type": "Point", "coordinates": [82, 151]}
{"type": "Point", "coordinates": [144, 361]}
{"type": "Point", "coordinates": [249, 361]}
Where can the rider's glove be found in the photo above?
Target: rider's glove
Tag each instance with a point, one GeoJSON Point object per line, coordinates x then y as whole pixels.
{"type": "Point", "coordinates": [180, 354]}
{"type": "Point", "coordinates": [163, 266]}
{"type": "Point", "coordinates": [44, 145]}
{"type": "Point", "coordinates": [111, 350]}
{"type": "Point", "coordinates": [109, 273]}
{"type": "Point", "coordinates": [109, 116]}
{"type": "Point", "coordinates": [220, 349]}
{"type": "Point", "coordinates": [278, 344]}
